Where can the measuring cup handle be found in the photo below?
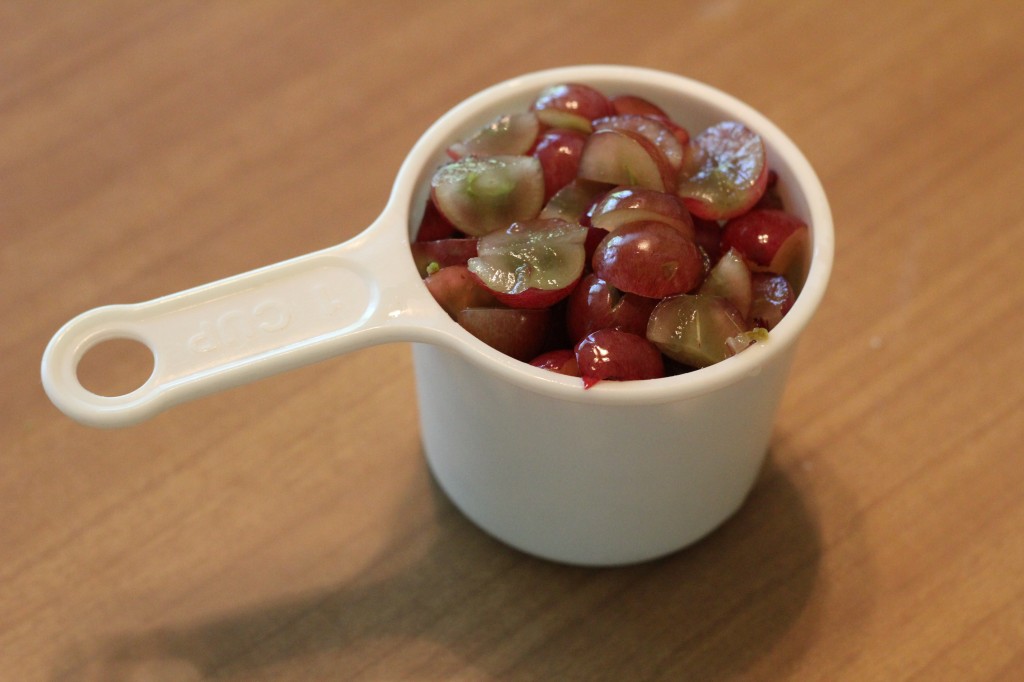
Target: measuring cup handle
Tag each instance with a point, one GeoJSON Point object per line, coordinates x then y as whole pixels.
{"type": "Point", "coordinates": [359, 293]}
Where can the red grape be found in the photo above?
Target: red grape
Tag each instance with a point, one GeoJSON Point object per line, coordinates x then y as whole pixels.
{"type": "Point", "coordinates": [517, 333]}
{"type": "Point", "coordinates": [695, 330]}
{"type": "Point", "coordinates": [650, 259]}
{"type": "Point", "coordinates": [610, 354]}
{"type": "Point", "coordinates": [433, 225]}
{"type": "Point", "coordinates": [455, 288]}
{"type": "Point", "coordinates": [573, 201]}
{"type": "Point", "coordinates": [772, 297]}
{"type": "Point", "coordinates": [442, 252]}
{"type": "Point", "coordinates": [559, 152]}
{"type": "Point", "coordinates": [651, 128]}
{"type": "Point", "coordinates": [596, 304]}
{"type": "Point", "coordinates": [509, 134]}
{"type": "Point", "coordinates": [629, 204]}
{"type": "Point", "coordinates": [623, 157]}
{"type": "Point", "coordinates": [631, 104]}
{"type": "Point", "coordinates": [561, 361]}
{"type": "Point", "coordinates": [730, 279]}
{"type": "Point", "coordinates": [769, 239]}
{"type": "Point", "coordinates": [571, 105]}
{"type": "Point", "coordinates": [725, 172]}
{"type": "Point", "coordinates": [533, 264]}
{"type": "Point", "coordinates": [481, 195]}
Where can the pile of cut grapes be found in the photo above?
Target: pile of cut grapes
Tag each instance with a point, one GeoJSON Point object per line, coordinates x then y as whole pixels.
{"type": "Point", "coordinates": [596, 237]}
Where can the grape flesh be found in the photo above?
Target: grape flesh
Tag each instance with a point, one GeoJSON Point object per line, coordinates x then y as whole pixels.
{"type": "Point", "coordinates": [695, 329]}
{"type": "Point", "coordinates": [728, 172]}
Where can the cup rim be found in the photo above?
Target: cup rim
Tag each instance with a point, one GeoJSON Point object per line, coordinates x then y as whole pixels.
{"type": "Point", "coordinates": [409, 191]}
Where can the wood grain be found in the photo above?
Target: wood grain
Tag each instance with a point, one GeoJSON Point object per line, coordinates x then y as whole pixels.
{"type": "Point", "coordinates": [289, 530]}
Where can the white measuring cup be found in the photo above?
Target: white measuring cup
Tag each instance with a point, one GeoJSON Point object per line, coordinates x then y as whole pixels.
{"type": "Point", "coordinates": [619, 473]}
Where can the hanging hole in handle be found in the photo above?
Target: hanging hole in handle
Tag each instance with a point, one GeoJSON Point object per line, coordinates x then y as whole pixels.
{"type": "Point", "coordinates": [115, 367]}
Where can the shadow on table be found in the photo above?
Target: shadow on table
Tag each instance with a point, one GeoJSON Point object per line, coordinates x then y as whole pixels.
{"type": "Point", "coordinates": [736, 599]}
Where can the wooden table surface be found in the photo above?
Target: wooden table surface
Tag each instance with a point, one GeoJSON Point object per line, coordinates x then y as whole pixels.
{"type": "Point", "coordinates": [289, 529]}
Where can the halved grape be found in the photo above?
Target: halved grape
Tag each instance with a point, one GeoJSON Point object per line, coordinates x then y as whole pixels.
{"type": "Point", "coordinates": [771, 240]}
{"type": "Point", "coordinates": [571, 105]}
{"type": "Point", "coordinates": [725, 174]}
{"type": "Point", "coordinates": [595, 304]}
{"type": "Point", "coordinates": [517, 333]}
{"type": "Point", "coordinates": [730, 279]}
{"type": "Point", "coordinates": [623, 157]}
{"type": "Point", "coordinates": [455, 288]}
{"type": "Point", "coordinates": [632, 104]}
{"type": "Point", "coordinates": [573, 201]}
{"type": "Point", "coordinates": [442, 253]}
{"type": "Point", "coordinates": [650, 259]}
{"type": "Point", "coordinates": [772, 297]}
{"type": "Point", "coordinates": [561, 361]}
{"type": "Point", "coordinates": [695, 329]}
{"type": "Point", "coordinates": [631, 204]}
{"type": "Point", "coordinates": [651, 128]}
{"type": "Point", "coordinates": [559, 154]}
{"type": "Point", "coordinates": [481, 195]}
{"type": "Point", "coordinates": [510, 134]}
{"type": "Point", "coordinates": [533, 264]}
{"type": "Point", "coordinates": [433, 225]}
{"type": "Point", "coordinates": [611, 354]}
